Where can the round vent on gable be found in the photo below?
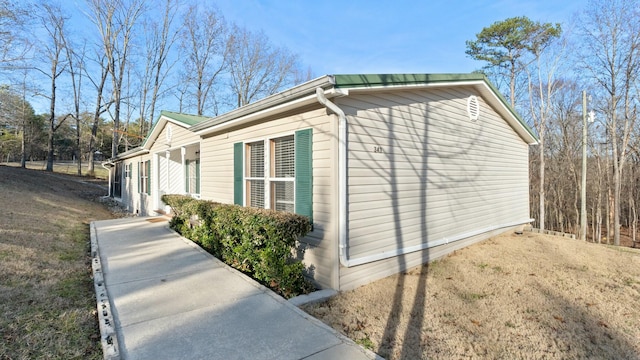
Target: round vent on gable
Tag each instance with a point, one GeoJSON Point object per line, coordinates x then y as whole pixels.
{"type": "Point", "coordinates": [473, 108]}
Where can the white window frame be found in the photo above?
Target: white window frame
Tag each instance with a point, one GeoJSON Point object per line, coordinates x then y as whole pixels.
{"type": "Point", "coordinates": [144, 177]}
{"type": "Point", "coordinates": [192, 191]}
{"type": "Point", "coordinates": [268, 178]}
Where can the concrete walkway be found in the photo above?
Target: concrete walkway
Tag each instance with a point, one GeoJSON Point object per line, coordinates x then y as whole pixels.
{"type": "Point", "coordinates": [162, 297]}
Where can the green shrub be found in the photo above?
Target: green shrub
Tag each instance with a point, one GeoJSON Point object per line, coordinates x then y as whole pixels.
{"type": "Point", "coordinates": [258, 242]}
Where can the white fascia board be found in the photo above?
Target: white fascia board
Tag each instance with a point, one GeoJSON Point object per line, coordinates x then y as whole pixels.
{"type": "Point", "coordinates": [155, 132]}
{"type": "Point", "coordinates": [297, 103]}
{"type": "Point", "coordinates": [159, 127]}
{"type": "Point", "coordinates": [130, 155]}
{"type": "Point", "coordinates": [507, 114]}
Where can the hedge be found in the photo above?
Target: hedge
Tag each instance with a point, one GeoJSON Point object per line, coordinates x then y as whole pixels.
{"type": "Point", "coordinates": [258, 242]}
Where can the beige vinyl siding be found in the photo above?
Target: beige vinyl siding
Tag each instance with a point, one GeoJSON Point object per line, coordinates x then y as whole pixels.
{"type": "Point", "coordinates": [136, 202]}
{"type": "Point", "coordinates": [216, 169]}
{"type": "Point", "coordinates": [170, 173]}
{"type": "Point", "coordinates": [179, 137]}
{"type": "Point", "coordinates": [435, 174]}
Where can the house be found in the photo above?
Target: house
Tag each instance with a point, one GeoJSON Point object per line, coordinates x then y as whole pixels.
{"type": "Point", "coordinates": [394, 170]}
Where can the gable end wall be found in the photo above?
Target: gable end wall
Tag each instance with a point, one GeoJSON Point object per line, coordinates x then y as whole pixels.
{"type": "Point", "coordinates": [420, 171]}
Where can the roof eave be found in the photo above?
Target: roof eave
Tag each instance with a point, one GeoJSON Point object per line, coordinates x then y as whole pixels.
{"type": "Point", "coordinates": [129, 154]}
{"type": "Point", "coordinates": [273, 101]}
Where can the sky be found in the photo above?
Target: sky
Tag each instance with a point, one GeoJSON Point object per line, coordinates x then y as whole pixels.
{"type": "Point", "coordinates": [359, 37]}
{"type": "Point", "coordinates": [401, 36]}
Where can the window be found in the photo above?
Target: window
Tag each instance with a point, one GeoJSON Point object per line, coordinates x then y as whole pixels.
{"type": "Point", "coordinates": [144, 181]}
{"type": "Point", "coordinates": [282, 175]}
{"type": "Point", "coordinates": [127, 171]}
{"type": "Point", "coordinates": [192, 176]}
{"type": "Point", "coordinates": [255, 174]}
{"type": "Point", "coordinates": [275, 173]}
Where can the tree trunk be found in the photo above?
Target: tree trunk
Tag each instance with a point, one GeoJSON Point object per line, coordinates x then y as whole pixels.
{"type": "Point", "coordinates": [541, 185]}
{"type": "Point", "coordinates": [78, 150]}
{"type": "Point", "coordinates": [52, 120]}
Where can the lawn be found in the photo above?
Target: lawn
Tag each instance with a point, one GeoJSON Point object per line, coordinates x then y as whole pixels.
{"type": "Point", "coordinates": [64, 167]}
{"type": "Point", "coordinates": [511, 297]}
{"type": "Point", "coordinates": [47, 302]}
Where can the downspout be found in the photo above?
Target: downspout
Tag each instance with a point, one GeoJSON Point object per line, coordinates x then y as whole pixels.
{"type": "Point", "coordinates": [342, 199]}
{"type": "Point", "coordinates": [109, 171]}
{"type": "Point", "coordinates": [342, 174]}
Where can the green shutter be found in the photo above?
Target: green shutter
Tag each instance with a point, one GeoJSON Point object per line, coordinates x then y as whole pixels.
{"type": "Point", "coordinates": [186, 176]}
{"type": "Point", "coordinates": [130, 169]}
{"type": "Point", "coordinates": [139, 176]}
{"type": "Point", "coordinates": [237, 173]}
{"type": "Point", "coordinates": [304, 173]}
{"type": "Point", "coordinates": [148, 177]}
{"type": "Point", "coordinates": [197, 176]}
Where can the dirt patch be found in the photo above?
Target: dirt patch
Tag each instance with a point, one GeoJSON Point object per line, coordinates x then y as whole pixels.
{"type": "Point", "coordinates": [47, 302]}
{"type": "Point", "coordinates": [528, 296]}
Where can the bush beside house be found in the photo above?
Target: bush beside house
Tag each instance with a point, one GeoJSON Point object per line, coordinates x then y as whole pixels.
{"type": "Point", "coordinates": [258, 242]}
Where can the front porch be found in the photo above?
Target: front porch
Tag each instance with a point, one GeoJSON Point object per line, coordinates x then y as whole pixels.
{"type": "Point", "coordinates": [177, 172]}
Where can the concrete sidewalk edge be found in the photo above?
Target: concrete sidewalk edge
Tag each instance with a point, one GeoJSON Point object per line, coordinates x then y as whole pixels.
{"type": "Point", "coordinates": [108, 330]}
{"type": "Point", "coordinates": [108, 335]}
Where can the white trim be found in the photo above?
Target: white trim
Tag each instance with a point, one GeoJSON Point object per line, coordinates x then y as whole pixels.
{"type": "Point", "coordinates": [307, 100]}
{"type": "Point", "coordinates": [267, 178]}
{"type": "Point", "coordinates": [445, 240]}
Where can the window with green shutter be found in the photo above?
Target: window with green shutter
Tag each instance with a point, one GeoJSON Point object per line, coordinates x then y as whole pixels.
{"type": "Point", "coordinates": [276, 173]}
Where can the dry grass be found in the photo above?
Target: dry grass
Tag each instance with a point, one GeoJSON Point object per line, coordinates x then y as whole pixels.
{"type": "Point", "coordinates": [47, 304]}
{"type": "Point", "coordinates": [64, 167]}
{"type": "Point", "coordinates": [511, 297]}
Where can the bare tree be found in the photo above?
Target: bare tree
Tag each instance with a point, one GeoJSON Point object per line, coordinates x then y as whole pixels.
{"type": "Point", "coordinates": [53, 22]}
{"type": "Point", "coordinates": [258, 68]}
{"type": "Point", "coordinates": [101, 107]}
{"type": "Point", "coordinates": [75, 60]}
{"type": "Point", "coordinates": [14, 44]}
{"type": "Point", "coordinates": [542, 86]}
{"type": "Point", "coordinates": [610, 31]}
{"type": "Point", "coordinates": [160, 39]}
{"type": "Point", "coordinates": [116, 20]}
{"type": "Point", "coordinates": [204, 44]}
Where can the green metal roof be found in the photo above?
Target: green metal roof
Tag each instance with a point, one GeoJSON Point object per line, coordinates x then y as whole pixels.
{"type": "Point", "coordinates": [371, 80]}
{"type": "Point", "coordinates": [186, 119]}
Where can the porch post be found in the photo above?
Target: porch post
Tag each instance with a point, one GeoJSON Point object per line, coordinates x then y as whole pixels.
{"type": "Point", "coordinates": [167, 156]}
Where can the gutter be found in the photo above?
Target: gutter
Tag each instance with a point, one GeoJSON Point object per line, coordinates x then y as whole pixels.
{"type": "Point", "coordinates": [342, 206]}
{"type": "Point", "coordinates": [266, 106]}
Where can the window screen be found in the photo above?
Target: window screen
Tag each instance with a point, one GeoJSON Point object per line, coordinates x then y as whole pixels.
{"type": "Point", "coordinates": [255, 174]}
{"type": "Point", "coordinates": [283, 157]}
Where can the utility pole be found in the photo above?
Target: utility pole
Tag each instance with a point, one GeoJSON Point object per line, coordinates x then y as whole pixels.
{"type": "Point", "coordinates": [583, 187]}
